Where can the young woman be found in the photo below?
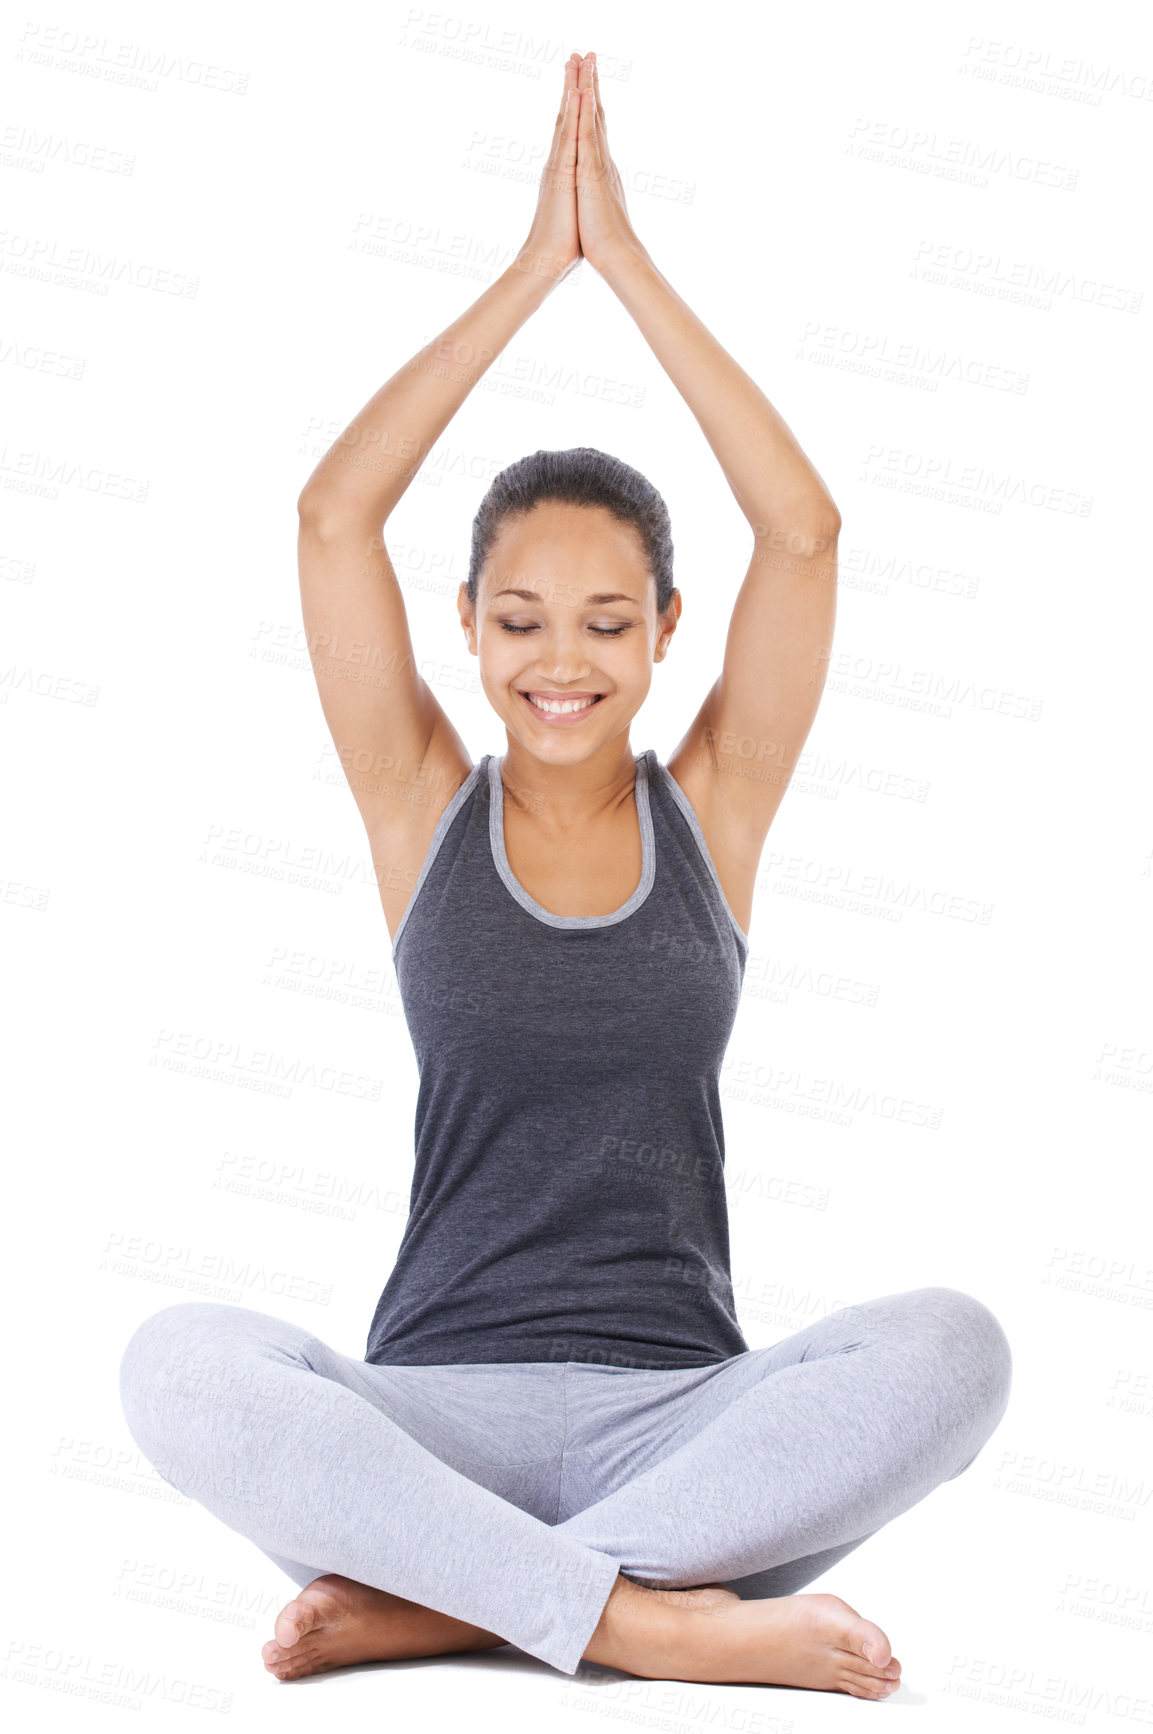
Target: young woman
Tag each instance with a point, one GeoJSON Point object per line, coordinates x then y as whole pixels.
{"type": "Point", "coordinates": [558, 1436]}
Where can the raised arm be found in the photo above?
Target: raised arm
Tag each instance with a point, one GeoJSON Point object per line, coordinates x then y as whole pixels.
{"type": "Point", "coordinates": [743, 745]}
{"type": "Point", "coordinates": [388, 728]}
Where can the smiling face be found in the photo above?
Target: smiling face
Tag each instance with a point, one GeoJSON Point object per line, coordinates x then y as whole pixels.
{"type": "Point", "coordinates": [565, 628]}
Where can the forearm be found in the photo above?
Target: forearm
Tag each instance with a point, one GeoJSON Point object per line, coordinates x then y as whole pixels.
{"type": "Point", "coordinates": [773, 482]}
{"type": "Point", "coordinates": [367, 469]}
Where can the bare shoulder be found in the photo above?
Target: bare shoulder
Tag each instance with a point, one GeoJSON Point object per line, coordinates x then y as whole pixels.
{"type": "Point", "coordinates": [401, 831]}
{"type": "Point", "coordinates": [734, 827]}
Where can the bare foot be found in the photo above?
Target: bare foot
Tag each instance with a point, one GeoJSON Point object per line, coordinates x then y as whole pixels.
{"type": "Point", "coordinates": [813, 1641]}
{"type": "Point", "coordinates": [335, 1622]}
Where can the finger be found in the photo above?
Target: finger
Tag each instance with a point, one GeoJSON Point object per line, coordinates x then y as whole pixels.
{"type": "Point", "coordinates": [573, 92]}
{"type": "Point", "coordinates": [571, 74]}
{"type": "Point", "coordinates": [562, 156]}
{"type": "Point", "coordinates": [587, 123]}
{"type": "Point", "coordinates": [565, 144]}
{"type": "Point", "coordinates": [564, 132]}
{"type": "Point", "coordinates": [600, 107]}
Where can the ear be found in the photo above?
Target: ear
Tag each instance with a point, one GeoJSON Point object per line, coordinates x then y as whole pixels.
{"type": "Point", "coordinates": [467, 612]}
{"type": "Point", "coordinates": [666, 626]}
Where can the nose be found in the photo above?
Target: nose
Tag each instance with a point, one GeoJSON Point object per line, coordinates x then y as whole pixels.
{"type": "Point", "coordinates": [562, 657]}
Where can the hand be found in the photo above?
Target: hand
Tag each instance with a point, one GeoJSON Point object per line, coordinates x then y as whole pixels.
{"type": "Point", "coordinates": [603, 220]}
{"type": "Point", "coordinates": [553, 245]}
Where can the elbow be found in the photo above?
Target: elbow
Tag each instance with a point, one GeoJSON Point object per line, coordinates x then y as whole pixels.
{"type": "Point", "coordinates": [827, 526]}
{"type": "Point", "coordinates": [308, 506]}
{"type": "Point", "coordinates": [810, 529]}
{"type": "Point", "coordinates": [820, 534]}
{"type": "Point", "coordinates": [325, 518]}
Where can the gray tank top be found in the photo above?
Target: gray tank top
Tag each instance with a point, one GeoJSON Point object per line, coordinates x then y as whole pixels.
{"type": "Point", "coordinates": [568, 1199]}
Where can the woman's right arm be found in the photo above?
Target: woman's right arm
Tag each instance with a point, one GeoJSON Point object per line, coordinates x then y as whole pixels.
{"type": "Point", "coordinates": [385, 722]}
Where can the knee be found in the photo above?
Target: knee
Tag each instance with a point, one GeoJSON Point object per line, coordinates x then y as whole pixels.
{"type": "Point", "coordinates": [973, 1347]}
{"type": "Point", "coordinates": [170, 1350]}
{"type": "Point", "coordinates": [163, 1338]}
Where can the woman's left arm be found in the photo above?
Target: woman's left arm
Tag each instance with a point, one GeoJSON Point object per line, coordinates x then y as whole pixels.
{"type": "Point", "coordinates": [756, 718]}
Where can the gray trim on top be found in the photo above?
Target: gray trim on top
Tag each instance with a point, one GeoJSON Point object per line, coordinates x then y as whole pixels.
{"type": "Point", "coordinates": [501, 862]}
{"type": "Point", "coordinates": [689, 811]}
{"type": "Point", "coordinates": [438, 836]}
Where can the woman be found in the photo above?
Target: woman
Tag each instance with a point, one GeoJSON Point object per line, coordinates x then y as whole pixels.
{"type": "Point", "coordinates": [559, 1437]}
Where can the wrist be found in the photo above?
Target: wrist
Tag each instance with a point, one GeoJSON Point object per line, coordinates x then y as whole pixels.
{"type": "Point", "coordinates": [547, 268]}
{"type": "Point", "coordinates": [620, 259]}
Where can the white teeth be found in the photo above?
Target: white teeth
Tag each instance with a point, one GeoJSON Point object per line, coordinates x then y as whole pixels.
{"type": "Point", "coordinates": [559, 707]}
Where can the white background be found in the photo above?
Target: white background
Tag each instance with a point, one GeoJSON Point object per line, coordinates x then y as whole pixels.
{"type": "Point", "coordinates": [945, 1035]}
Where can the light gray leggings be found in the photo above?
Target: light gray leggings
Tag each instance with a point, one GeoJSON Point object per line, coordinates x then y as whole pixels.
{"type": "Point", "coordinates": [512, 1495]}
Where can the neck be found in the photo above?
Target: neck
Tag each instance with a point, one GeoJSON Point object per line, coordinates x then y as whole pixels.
{"type": "Point", "coordinates": [566, 797]}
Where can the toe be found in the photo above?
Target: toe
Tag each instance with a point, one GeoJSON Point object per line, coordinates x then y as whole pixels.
{"type": "Point", "coordinates": [290, 1625]}
{"type": "Point", "coordinates": [871, 1684]}
{"type": "Point", "coordinates": [863, 1687]}
{"type": "Point", "coordinates": [872, 1644]}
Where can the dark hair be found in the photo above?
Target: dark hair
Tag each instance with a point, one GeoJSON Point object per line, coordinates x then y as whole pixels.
{"type": "Point", "coordinates": [581, 476]}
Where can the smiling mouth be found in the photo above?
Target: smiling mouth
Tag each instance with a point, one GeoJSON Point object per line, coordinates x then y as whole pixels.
{"type": "Point", "coordinates": [562, 707]}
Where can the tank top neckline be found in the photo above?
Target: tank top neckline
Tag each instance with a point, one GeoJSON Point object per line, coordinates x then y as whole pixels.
{"type": "Point", "coordinates": [517, 890]}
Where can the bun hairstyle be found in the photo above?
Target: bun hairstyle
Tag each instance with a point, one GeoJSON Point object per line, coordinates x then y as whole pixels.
{"type": "Point", "coordinates": [581, 476]}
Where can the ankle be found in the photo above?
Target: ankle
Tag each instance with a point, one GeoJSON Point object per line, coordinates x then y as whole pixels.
{"type": "Point", "coordinates": [632, 1620]}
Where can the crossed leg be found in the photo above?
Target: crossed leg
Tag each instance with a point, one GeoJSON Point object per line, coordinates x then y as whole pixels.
{"type": "Point", "coordinates": [288, 1442]}
{"type": "Point", "coordinates": [792, 1457]}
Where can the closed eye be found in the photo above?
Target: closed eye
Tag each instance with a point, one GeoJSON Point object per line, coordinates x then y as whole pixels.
{"type": "Point", "coordinates": [601, 631]}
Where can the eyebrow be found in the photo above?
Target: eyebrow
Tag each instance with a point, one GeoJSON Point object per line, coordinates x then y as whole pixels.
{"type": "Point", "coordinates": [589, 601]}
